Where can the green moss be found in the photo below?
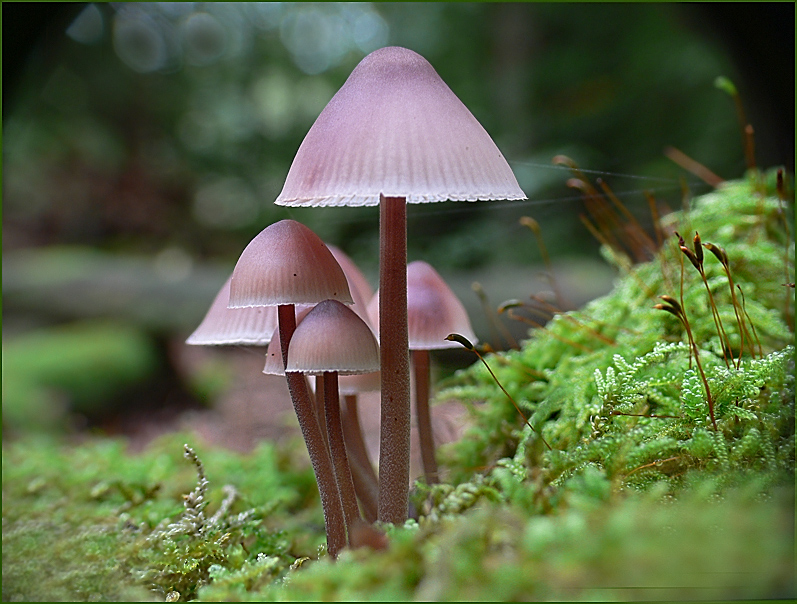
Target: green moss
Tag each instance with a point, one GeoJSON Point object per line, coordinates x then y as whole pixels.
{"type": "Point", "coordinates": [91, 522]}
{"type": "Point", "coordinates": [77, 366]}
{"type": "Point", "coordinates": [615, 385]}
{"type": "Point", "coordinates": [639, 497]}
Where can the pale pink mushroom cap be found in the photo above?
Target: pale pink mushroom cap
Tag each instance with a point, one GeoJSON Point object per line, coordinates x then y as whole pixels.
{"type": "Point", "coordinates": [230, 326]}
{"type": "Point", "coordinates": [396, 128]}
{"type": "Point", "coordinates": [274, 364]}
{"type": "Point", "coordinates": [362, 382]}
{"type": "Point", "coordinates": [333, 338]}
{"type": "Point", "coordinates": [433, 310]}
{"type": "Point", "coordinates": [287, 263]}
{"type": "Point", "coordinates": [361, 290]}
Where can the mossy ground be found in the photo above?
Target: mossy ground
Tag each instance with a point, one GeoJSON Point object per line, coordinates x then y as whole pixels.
{"type": "Point", "coordinates": [639, 497]}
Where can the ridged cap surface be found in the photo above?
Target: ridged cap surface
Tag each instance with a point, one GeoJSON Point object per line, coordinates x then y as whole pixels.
{"type": "Point", "coordinates": [333, 338]}
{"type": "Point", "coordinates": [287, 263]}
{"type": "Point", "coordinates": [229, 326]}
{"type": "Point", "coordinates": [396, 128]}
{"type": "Point", "coordinates": [359, 287]}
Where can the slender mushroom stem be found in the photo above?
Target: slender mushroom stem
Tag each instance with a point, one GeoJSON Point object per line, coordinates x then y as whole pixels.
{"type": "Point", "coordinates": [420, 367]}
{"type": "Point", "coordinates": [394, 440]}
{"type": "Point", "coordinates": [319, 407]}
{"type": "Point", "coordinates": [314, 440]}
{"type": "Point", "coordinates": [366, 483]}
{"type": "Point", "coordinates": [337, 448]}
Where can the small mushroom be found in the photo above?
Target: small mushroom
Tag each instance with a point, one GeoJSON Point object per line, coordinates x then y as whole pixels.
{"type": "Point", "coordinates": [366, 482]}
{"type": "Point", "coordinates": [333, 340]}
{"type": "Point", "coordinates": [433, 312]}
{"type": "Point", "coordinates": [284, 265]}
{"type": "Point", "coordinates": [394, 134]}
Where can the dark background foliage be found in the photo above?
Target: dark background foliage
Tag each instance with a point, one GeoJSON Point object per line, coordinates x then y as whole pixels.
{"type": "Point", "coordinates": [144, 143]}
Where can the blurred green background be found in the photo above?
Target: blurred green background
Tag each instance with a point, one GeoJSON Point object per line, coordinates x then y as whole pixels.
{"type": "Point", "coordinates": [144, 144]}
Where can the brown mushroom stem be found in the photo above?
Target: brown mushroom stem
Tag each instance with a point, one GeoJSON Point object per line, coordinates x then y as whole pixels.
{"type": "Point", "coordinates": [337, 448]}
{"type": "Point", "coordinates": [314, 440]}
{"type": "Point", "coordinates": [420, 366]}
{"type": "Point", "coordinates": [394, 439]}
{"type": "Point", "coordinates": [366, 483]}
{"type": "Point", "coordinates": [319, 407]}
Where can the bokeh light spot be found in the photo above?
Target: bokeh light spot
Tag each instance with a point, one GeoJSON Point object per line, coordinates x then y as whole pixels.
{"type": "Point", "coordinates": [275, 103]}
{"type": "Point", "coordinates": [139, 42]}
{"type": "Point", "coordinates": [88, 26]}
{"type": "Point", "coordinates": [316, 38]}
{"type": "Point", "coordinates": [370, 31]}
{"type": "Point", "coordinates": [204, 38]}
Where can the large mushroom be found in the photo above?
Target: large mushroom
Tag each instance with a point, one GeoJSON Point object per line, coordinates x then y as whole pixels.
{"type": "Point", "coordinates": [287, 264]}
{"type": "Point", "coordinates": [433, 312]}
{"type": "Point", "coordinates": [394, 134]}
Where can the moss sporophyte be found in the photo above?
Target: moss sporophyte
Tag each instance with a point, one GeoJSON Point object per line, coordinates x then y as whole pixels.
{"type": "Point", "coordinates": [648, 396]}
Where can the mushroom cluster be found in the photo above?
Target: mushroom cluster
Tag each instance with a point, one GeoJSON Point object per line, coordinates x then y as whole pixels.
{"type": "Point", "coordinates": [393, 134]}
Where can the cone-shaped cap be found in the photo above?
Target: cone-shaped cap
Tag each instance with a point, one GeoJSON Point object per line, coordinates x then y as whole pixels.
{"type": "Point", "coordinates": [287, 264]}
{"type": "Point", "coordinates": [433, 310]}
{"type": "Point", "coordinates": [333, 338]}
{"type": "Point", "coordinates": [397, 129]}
{"type": "Point", "coordinates": [227, 326]}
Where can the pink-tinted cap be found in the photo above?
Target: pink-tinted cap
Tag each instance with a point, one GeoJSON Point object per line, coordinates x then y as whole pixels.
{"type": "Point", "coordinates": [227, 326]}
{"type": "Point", "coordinates": [333, 338]}
{"type": "Point", "coordinates": [433, 310]}
{"type": "Point", "coordinates": [274, 365]}
{"type": "Point", "coordinates": [396, 128]}
{"type": "Point", "coordinates": [361, 290]}
{"type": "Point", "coordinates": [287, 263]}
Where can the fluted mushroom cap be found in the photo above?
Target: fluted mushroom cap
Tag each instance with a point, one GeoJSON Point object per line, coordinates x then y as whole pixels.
{"type": "Point", "coordinates": [287, 263]}
{"type": "Point", "coordinates": [229, 326]}
{"type": "Point", "coordinates": [333, 338]}
{"type": "Point", "coordinates": [433, 310]}
{"type": "Point", "coordinates": [396, 128]}
{"type": "Point", "coordinates": [361, 290]}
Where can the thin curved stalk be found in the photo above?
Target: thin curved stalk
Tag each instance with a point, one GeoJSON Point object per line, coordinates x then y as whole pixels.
{"type": "Point", "coordinates": [337, 448]}
{"type": "Point", "coordinates": [420, 367]}
{"type": "Point", "coordinates": [366, 483]}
